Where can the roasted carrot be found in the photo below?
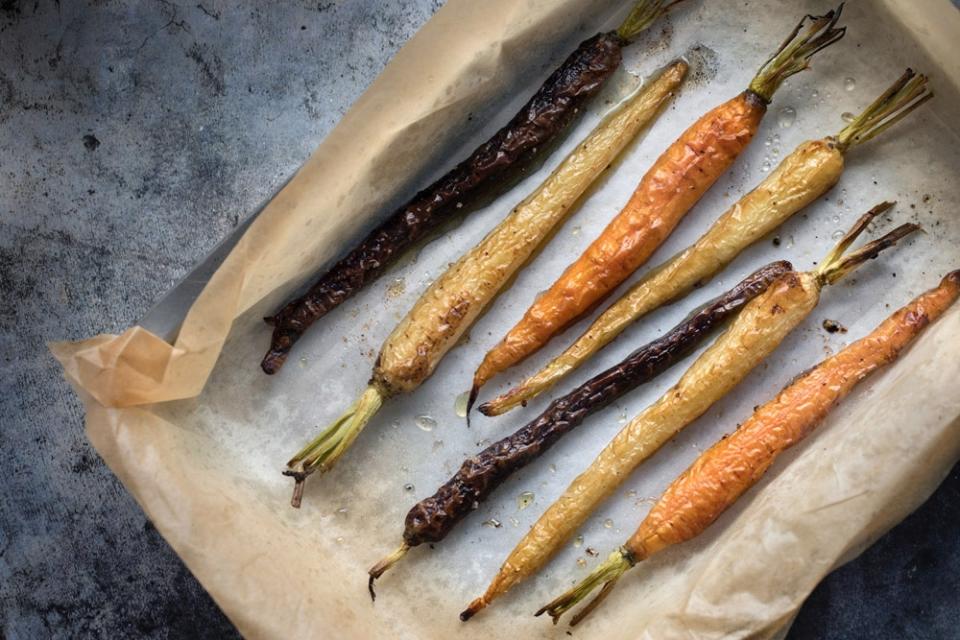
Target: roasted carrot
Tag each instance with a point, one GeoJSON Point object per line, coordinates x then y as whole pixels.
{"type": "Point", "coordinates": [432, 519]}
{"type": "Point", "coordinates": [450, 306]}
{"type": "Point", "coordinates": [734, 464]}
{"type": "Point", "coordinates": [669, 189]}
{"type": "Point", "coordinates": [511, 152]}
{"type": "Point", "coordinates": [754, 334]}
{"type": "Point", "coordinates": [803, 176]}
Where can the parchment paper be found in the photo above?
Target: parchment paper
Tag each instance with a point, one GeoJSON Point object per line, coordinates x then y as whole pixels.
{"type": "Point", "coordinates": [199, 435]}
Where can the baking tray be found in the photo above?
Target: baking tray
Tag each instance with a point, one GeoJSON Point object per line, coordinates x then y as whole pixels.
{"type": "Point", "coordinates": [354, 514]}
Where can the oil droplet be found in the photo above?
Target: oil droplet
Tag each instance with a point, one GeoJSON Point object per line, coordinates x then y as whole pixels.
{"type": "Point", "coordinates": [787, 117]}
{"type": "Point", "coordinates": [575, 231]}
{"type": "Point", "coordinates": [847, 116]}
{"type": "Point", "coordinates": [303, 363]}
{"type": "Point", "coordinates": [425, 422]}
{"type": "Point", "coordinates": [789, 244]}
{"type": "Point", "coordinates": [514, 522]}
{"type": "Point", "coordinates": [396, 288]}
{"type": "Point", "coordinates": [578, 541]}
{"type": "Point", "coordinates": [524, 500]}
{"type": "Point", "coordinates": [632, 493]}
{"type": "Point", "coordinates": [768, 141]}
{"type": "Point", "coordinates": [408, 487]}
{"type": "Point", "coordinates": [553, 468]}
{"type": "Point", "coordinates": [339, 539]}
{"type": "Point", "coordinates": [460, 404]}
{"type": "Point", "coordinates": [581, 562]}
{"type": "Point", "coordinates": [608, 523]}
{"type": "Point", "coordinates": [342, 511]}
{"type": "Point", "coordinates": [437, 444]}
{"type": "Point", "coordinates": [395, 424]}
{"type": "Point", "coordinates": [766, 165]}
{"type": "Point", "coordinates": [836, 219]}
{"type": "Point", "coordinates": [622, 418]}
{"type": "Point", "coordinates": [493, 523]}
{"type": "Point", "coordinates": [849, 84]}
{"type": "Point", "coordinates": [814, 94]}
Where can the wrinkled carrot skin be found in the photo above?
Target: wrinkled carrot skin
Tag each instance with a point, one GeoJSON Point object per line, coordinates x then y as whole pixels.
{"type": "Point", "coordinates": [733, 465]}
{"type": "Point", "coordinates": [757, 331]}
{"type": "Point", "coordinates": [447, 310]}
{"type": "Point", "coordinates": [802, 177]}
{"type": "Point", "coordinates": [666, 193]}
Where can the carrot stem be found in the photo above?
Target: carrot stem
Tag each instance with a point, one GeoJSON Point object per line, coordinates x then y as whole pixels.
{"type": "Point", "coordinates": [643, 14]}
{"type": "Point", "coordinates": [794, 54]}
{"type": "Point", "coordinates": [837, 265]}
{"type": "Point", "coordinates": [322, 452]}
{"type": "Point", "coordinates": [903, 96]}
{"type": "Point", "coordinates": [605, 574]}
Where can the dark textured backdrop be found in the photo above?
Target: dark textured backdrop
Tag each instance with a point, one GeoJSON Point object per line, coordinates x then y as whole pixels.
{"type": "Point", "coordinates": [133, 136]}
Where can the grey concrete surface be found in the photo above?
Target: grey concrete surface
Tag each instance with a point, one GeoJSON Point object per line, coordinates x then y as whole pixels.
{"type": "Point", "coordinates": [133, 136]}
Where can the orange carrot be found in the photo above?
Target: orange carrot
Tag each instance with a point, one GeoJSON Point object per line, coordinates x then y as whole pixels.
{"type": "Point", "coordinates": [730, 467]}
{"type": "Point", "coordinates": [675, 182]}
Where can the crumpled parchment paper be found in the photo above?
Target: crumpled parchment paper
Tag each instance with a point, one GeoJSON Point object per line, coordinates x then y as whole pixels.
{"type": "Point", "coordinates": [198, 435]}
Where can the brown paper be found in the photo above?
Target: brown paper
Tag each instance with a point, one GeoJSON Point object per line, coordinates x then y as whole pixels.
{"type": "Point", "coordinates": [200, 442]}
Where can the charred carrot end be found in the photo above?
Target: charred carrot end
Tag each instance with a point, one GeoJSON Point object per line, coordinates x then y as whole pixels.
{"type": "Point", "coordinates": [794, 54]}
{"type": "Point", "coordinates": [473, 609]}
{"type": "Point", "coordinates": [606, 574]}
{"type": "Point", "coordinates": [321, 453]}
{"type": "Point", "coordinates": [906, 94]}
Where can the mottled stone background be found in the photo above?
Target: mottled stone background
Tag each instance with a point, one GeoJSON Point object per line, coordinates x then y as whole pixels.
{"type": "Point", "coordinates": [133, 136]}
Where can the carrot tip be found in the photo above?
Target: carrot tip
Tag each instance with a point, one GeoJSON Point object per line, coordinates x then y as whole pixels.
{"type": "Point", "coordinates": [381, 567]}
{"type": "Point", "coordinates": [472, 610]}
{"type": "Point", "coordinates": [474, 392]}
{"type": "Point", "coordinates": [274, 360]}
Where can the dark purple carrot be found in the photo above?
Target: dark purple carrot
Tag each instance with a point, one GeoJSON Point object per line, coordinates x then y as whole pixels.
{"type": "Point", "coordinates": [512, 150]}
{"type": "Point", "coordinates": [431, 519]}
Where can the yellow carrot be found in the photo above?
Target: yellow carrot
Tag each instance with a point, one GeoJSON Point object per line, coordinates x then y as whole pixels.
{"type": "Point", "coordinates": [757, 331]}
{"type": "Point", "coordinates": [803, 176]}
{"type": "Point", "coordinates": [669, 189]}
{"type": "Point", "coordinates": [450, 306]}
{"type": "Point", "coordinates": [730, 467]}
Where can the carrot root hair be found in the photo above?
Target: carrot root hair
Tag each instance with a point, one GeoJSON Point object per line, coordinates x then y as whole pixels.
{"type": "Point", "coordinates": [836, 265]}
{"type": "Point", "coordinates": [606, 575]}
{"type": "Point", "coordinates": [322, 452]}
{"type": "Point", "coordinates": [643, 14]}
{"type": "Point", "coordinates": [903, 96]}
{"type": "Point", "coordinates": [383, 565]}
{"type": "Point", "coordinates": [794, 54]}
{"type": "Point", "coordinates": [471, 400]}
